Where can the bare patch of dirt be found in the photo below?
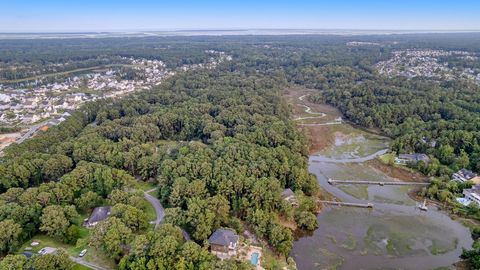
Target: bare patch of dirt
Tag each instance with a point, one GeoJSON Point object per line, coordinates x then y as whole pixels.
{"type": "Point", "coordinates": [319, 137]}
{"type": "Point", "coordinates": [396, 172]}
{"type": "Point", "coordinates": [287, 223]}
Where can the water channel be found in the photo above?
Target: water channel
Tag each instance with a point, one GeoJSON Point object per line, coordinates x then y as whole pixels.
{"type": "Point", "coordinates": [395, 234]}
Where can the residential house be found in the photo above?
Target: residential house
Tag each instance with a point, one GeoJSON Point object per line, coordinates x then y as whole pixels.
{"type": "Point", "coordinates": [223, 243]}
{"type": "Point", "coordinates": [288, 195]}
{"type": "Point", "coordinates": [473, 194]}
{"type": "Point", "coordinates": [411, 158]}
{"type": "Point", "coordinates": [465, 175]}
{"type": "Point", "coordinates": [98, 214]}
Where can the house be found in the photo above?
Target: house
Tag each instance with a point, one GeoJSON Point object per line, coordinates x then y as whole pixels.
{"type": "Point", "coordinates": [98, 214]}
{"type": "Point", "coordinates": [411, 158]}
{"type": "Point", "coordinates": [223, 243]}
{"type": "Point", "coordinates": [465, 175]}
{"type": "Point", "coordinates": [473, 194]}
{"type": "Point", "coordinates": [288, 195]}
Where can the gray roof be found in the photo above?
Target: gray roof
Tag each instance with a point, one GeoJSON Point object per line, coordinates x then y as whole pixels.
{"type": "Point", "coordinates": [287, 193]}
{"type": "Point", "coordinates": [223, 237]}
{"type": "Point", "coordinates": [467, 174]}
{"type": "Point", "coordinates": [99, 214]}
{"type": "Point", "coordinates": [475, 189]}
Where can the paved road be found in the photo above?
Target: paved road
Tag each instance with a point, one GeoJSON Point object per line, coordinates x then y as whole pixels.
{"type": "Point", "coordinates": [159, 211]}
{"type": "Point", "coordinates": [29, 133]}
{"type": "Point", "coordinates": [87, 264]}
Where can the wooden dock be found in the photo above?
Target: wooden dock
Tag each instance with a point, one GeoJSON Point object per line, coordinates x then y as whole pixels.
{"type": "Point", "coordinates": [361, 205]}
{"type": "Point", "coordinates": [352, 182]}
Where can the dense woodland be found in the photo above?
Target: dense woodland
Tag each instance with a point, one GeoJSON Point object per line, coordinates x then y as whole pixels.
{"type": "Point", "coordinates": [219, 144]}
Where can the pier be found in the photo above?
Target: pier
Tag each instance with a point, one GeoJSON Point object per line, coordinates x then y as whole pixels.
{"type": "Point", "coordinates": [361, 205]}
{"type": "Point", "coordinates": [352, 182]}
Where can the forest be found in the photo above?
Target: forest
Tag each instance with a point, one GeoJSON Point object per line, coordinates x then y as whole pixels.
{"type": "Point", "coordinates": [219, 144]}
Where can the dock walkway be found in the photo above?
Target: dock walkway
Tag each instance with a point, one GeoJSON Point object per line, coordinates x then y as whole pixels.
{"type": "Point", "coordinates": [362, 205]}
{"type": "Point", "coordinates": [353, 182]}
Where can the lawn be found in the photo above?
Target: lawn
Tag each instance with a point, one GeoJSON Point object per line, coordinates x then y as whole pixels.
{"type": "Point", "coordinates": [145, 186]}
{"type": "Point", "coordinates": [150, 211]}
{"type": "Point", "coordinates": [93, 256]}
{"type": "Point", "coordinates": [80, 267]}
{"type": "Point", "coordinates": [388, 158]}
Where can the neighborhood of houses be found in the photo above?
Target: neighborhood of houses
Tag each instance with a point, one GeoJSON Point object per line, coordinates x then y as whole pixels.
{"type": "Point", "coordinates": [426, 63]}
{"type": "Point", "coordinates": [471, 195]}
{"type": "Point", "coordinates": [224, 243]}
{"type": "Point", "coordinates": [51, 103]}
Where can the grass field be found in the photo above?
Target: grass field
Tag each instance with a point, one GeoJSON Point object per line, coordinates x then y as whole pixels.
{"type": "Point", "coordinates": [80, 267]}
{"type": "Point", "coordinates": [93, 256]}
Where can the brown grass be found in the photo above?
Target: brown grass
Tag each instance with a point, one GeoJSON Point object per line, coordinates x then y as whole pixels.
{"type": "Point", "coordinates": [397, 173]}
{"type": "Point", "coordinates": [319, 137]}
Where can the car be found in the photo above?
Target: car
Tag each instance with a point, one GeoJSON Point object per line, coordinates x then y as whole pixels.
{"type": "Point", "coordinates": [82, 253]}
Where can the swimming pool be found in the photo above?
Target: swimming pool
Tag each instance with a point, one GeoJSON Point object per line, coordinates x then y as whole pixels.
{"type": "Point", "coordinates": [254, 258]}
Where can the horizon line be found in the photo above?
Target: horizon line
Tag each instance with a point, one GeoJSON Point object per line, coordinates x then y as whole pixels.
{"type": "Point", "coordinates": [173, 30]}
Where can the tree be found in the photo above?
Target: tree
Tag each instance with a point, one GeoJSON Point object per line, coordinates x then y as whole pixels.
{"type": "Point", "coordinates": [200, 219]}
{"type": "Point", "coordinates": [111, 235]}
{"type": "Point", "coordinates": [446, 154]}
{"type": "Point", "coordinates": [72, 234]}
{"type": "Point", "coordinates": [54, 222]}
{"type": "Point", "coordinates": [88, 200]}
{"type": "Point", "coordinates": [131, 216]}
{"type": "Point", "coordinates": [306, 220]}
{"type": "Point", "coordinates": [17, 262]}
{"type": "Point", "coordinates": [174, 216]}
{"type": "Point", "coordinates": [56, 166]}
{"type": "Point", "coordinates": [221, 207]}
{"type": "Point", "coordinates": [58, 260]}
{"type": "Point", "coordinates": [9, 235]}
{"type": "Point", "coordinates": [281, 238]}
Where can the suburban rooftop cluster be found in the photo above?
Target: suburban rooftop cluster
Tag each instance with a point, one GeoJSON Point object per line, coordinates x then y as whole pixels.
{"type": "Point", "coordinates": [413, 63]}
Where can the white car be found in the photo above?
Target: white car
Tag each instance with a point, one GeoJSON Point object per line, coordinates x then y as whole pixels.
{"type": "Point", "coordinates": [82, 253]}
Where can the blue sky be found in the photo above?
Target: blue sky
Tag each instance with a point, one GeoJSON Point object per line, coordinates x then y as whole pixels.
{"type": "Point", "coordinates": [108, 15]}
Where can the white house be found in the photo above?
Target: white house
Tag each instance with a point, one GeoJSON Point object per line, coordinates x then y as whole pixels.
{"type": "Point", "coordinates": [473, 194]}
{"type": "Point", "coordinates": [465, 175]}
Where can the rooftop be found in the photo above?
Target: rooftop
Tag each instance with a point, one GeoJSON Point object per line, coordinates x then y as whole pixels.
{"type": "Point", "coordinates": [99, 214]}
{"type": "Point", "coordinates": [467, 174]}
{"type": "Point", "coordinates": [223, 237]}
{"type": "Point", "coordinates": [287, 193]}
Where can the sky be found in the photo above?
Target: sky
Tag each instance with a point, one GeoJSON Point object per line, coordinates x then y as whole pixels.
{"type": "Point", "coordinates": [121, 15]}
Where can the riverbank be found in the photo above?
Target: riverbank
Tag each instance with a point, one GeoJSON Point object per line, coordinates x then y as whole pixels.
{"type": "Point", "coordinates": [395, 233]}
{"type": "Point", "coordinates": [397, 172]}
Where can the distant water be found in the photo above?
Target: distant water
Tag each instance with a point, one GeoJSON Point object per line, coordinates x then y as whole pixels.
{"type": "Point", "coordinates": [395, 234]}
{"type": "Point", "coordinates": [212, 32]}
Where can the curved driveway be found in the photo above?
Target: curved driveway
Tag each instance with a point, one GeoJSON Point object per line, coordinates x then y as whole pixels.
{"type": "Point", "coordinates": [159, 211]}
